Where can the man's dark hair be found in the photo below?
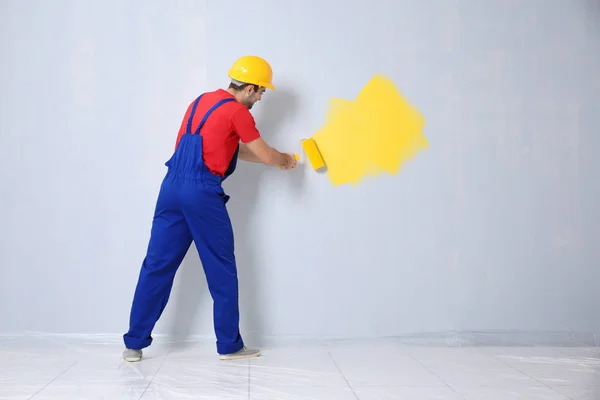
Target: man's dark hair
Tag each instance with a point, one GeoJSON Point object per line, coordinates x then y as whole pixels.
{"type": "Point", "coordinates": [237, 88]}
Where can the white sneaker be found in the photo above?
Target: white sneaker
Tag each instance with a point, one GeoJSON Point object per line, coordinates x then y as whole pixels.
{"type": "Point", "coordinates": [130, 355]}
{"type": "Point", "coordinates": [243, 353]}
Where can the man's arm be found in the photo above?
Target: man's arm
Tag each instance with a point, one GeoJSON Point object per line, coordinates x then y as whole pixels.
{"type": "Point", "coordinates": [246, 154]}
{"type": "Point", "coordinates": [259, 151]}
{"type": "Point", "coordinates": [253, 148]}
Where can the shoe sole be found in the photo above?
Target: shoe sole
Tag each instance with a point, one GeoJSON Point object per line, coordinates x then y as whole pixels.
{"type": "Point", "coordinates": [131, 359]}
{"type": "Point", "coordinates": [240, 357]}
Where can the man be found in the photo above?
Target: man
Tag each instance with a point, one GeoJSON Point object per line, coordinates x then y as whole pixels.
{"type": "Point", "coordinates": [216, 130]}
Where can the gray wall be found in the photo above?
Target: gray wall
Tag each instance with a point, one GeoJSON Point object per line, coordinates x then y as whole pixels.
{"type": "Point", "coordinates": [491, 229]}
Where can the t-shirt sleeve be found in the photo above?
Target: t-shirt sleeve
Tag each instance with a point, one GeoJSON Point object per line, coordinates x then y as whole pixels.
{"type": "Point", "coordinates": [244, 126]}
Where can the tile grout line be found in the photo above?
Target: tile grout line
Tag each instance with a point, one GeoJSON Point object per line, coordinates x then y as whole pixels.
{"type": "Point", "coordinates": [154, 376]}
{"type": "Point", "coordinates": [434, 374]}
{"type": "Point", "coordinates": [535, 379]}
{"type": "Point", "coordinates": [343, 376]}
{"type": "Point", "coordinates": [53, 380]}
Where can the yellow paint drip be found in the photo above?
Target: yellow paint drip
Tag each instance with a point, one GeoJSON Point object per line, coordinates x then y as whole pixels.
{"type": "Point", "coordinates": [374, 133]}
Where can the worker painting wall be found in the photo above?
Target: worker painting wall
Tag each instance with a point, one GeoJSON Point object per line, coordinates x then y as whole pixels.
{"type": "Point", "coordinates": [485, 223]}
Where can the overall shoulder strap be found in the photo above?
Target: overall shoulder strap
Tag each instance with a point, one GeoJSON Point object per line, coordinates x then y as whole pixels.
{"type": "Point", "coordinates": [213, 108]}
{"type": "Point", "coordinates": [188, 128]}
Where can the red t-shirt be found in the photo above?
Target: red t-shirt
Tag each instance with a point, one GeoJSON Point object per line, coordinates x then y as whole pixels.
{"type": "Point", "coordinates": [223, 130]}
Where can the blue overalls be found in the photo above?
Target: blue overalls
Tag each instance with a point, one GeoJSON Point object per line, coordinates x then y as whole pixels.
{"type": "Point", "coordinates": [190, 206]}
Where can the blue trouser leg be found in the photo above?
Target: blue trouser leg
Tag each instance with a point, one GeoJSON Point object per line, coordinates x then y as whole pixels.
{"type": "Point", "coordinates": [211, 229]}
{"type": "Point", "coordinates": [170, 240]}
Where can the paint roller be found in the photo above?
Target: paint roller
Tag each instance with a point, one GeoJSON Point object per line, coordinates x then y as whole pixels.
{"type": "Point", "coordinates": [312, 153]}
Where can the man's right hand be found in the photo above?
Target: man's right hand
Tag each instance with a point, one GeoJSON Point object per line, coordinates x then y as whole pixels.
{"type": "Point", "coordinates": [269, 156]}
{"type": "Point", "coordinates": [290, 161]}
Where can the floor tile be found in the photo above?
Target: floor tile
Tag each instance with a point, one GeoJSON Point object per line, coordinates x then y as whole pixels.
{"type": "Point", "coordinates": [195, 368]}
{"type": "Point", "coordinates": [460, 367]}
{"type": "Point", "coordinates": [558, 371]}
{"type": "Point", "coordinates": [464, 375]}
{"type": "Point", "coordinates": [527, 392]}
{"type": "Point", "coordinates": [580, 392]}
{"type": "Point", "coordinates": [161, 391]}
{"type": "Point", "coordinates": [31, 370]}
{"type": "Point", "coordinates": [177, 374]}
{"type": "Point", "coordinates": [407, 393]}
{"type": "Point", "coordinates": [20, 391]}
{"type": "Point", "coordinates": [531, 351]}
{"type": "Point", "coordinates": [382, 366]}
{"type": "Point", "coordinates": [584, 352]}
{"type": "Point", "coordinates": [85, 391]}
{"type": "Point", "coordinates": [108, 370]}
{"type": "Point", "coordinates": [456, 358]}
{"type": "Point", "coordinates": [301, 393]}
{"type": "Point", "coordinates": [295, 366]}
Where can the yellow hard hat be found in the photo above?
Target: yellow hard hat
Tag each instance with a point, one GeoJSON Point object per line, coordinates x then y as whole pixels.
{"type": "Point", "coordinates": [253, 70]}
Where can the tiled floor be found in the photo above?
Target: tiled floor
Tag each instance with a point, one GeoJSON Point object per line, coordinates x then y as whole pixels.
{"type": "Point", "coordinates": [47, 368]}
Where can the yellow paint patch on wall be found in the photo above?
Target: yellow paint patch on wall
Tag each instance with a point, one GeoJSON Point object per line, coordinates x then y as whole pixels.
{"type": "Point", "coordinates": [374, 133]}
